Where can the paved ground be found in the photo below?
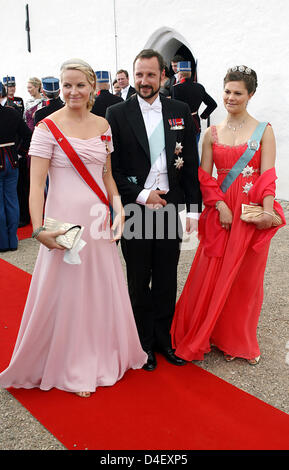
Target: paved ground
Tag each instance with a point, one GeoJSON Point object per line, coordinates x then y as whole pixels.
{"type": "Point", "coordinates": [268, 381]}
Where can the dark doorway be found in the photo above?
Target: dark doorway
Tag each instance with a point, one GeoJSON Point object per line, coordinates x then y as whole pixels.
{"type": "Point", "coordinates": [187, 55]}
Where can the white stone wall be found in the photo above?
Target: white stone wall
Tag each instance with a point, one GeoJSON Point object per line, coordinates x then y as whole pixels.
{"type": "Point", "coordinates": [219, 33]}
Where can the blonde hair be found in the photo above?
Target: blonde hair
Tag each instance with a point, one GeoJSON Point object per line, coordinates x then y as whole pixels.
{"type": "Point", "coordinates": [78, 64]}
{"type": "Point", "coordinates": [35, 82]}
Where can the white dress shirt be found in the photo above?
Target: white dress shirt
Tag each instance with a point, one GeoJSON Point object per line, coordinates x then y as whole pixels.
{"type": "Point", "coordinates": [158, 175]}
{"type": "Point", "coordinates": [124, 92]}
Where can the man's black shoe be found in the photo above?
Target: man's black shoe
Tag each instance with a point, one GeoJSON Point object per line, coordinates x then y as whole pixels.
{"type": "Point", "coordinates": [151, 362]}
{"type": "Point", "coordinates": [170, 356]}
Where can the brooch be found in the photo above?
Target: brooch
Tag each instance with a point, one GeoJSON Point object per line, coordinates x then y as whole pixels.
{"type": "Point", "coordinates": [132, 179]}
{"type": "Point", "coordinates": [106, 139]}
{"type": "Point", "coordinates": [253, 145]}
{"type": "Point", "coordinates": [178, 148]}
{"type": "Point", "coordinates": [248, 171]}
{"type": "Point", "coordinates": [179, 162]}
{"type": "Point", "coordinates": [176, 124]}
{"type": "Point", "coordinates": [247, 187]}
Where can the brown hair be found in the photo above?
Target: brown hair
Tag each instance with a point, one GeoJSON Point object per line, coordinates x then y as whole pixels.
{"type": "Point", "coordinates": [241, 73]}
{"type": "Point", "coordinates": [149, 54]}
{"type": "Point", "coordinates": [122, 71]}
{"type": "Point", "coordinates": [78, 64]}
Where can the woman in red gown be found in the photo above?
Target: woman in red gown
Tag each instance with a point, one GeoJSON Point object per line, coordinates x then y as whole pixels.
{"type": "Point", "coordinates": [222, 298]}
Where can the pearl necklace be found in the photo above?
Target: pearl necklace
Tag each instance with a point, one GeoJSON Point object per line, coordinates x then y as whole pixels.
{"type": "Point", "coordinates": [235, 128]}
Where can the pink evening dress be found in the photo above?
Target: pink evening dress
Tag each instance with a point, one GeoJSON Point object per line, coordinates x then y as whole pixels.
{"type": "Point", "coordinates": [77, 331]}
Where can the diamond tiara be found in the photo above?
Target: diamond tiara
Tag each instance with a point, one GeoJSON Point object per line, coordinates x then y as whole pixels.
{"type": "Point", "coordinates": [240, 68]}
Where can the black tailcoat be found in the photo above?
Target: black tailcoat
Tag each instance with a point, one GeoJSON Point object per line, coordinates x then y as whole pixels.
{"type": "Point", "coordinates": [153, 259]}
{"type": "Point", "coordinates": [131, 91]}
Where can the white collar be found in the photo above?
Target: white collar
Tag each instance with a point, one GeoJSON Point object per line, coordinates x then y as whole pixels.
{"type": "Point", "coordinates": [144, 104]}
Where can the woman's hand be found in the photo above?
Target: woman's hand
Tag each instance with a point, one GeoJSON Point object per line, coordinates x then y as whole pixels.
{"type": "Point", "coordinates": [118, 226]}
{"type": "Point", "coordinates": [225, 215]}
{"type": "Point", "coordinates": [264, 221]}
{"type": "Point", "coordinates": [48, 239]}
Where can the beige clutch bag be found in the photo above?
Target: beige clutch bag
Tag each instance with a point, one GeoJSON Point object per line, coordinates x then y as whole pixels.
{"type": "Point", "coordinates": [250, 211]}
{"type": "Point", "coordinates": [69, 238]}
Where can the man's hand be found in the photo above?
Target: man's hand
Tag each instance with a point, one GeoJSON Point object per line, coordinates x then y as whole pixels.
{"type": "Point", "coordinates": [154, 201]}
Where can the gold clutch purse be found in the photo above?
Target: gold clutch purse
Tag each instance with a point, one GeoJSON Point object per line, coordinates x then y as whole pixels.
{"type": "Point", "coordinates": [250, 211]}
{"type": "Point", "coordinates": [69, 238]}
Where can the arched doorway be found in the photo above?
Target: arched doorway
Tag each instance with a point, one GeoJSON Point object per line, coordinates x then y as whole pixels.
{"type": "Point", "coordinates": [169, 43]}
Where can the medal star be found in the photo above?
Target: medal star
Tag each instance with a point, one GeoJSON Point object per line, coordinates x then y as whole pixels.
{"type": "Point", "coordinates": [248, 171]}
{"type": "Point", "coordinates": [179, 148]}
{"type": "Point", "coordinates": [179, 163]}
{"type": "Point", "coordinates": [247, 187]}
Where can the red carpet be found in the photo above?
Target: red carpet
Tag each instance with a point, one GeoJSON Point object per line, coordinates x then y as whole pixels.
{"type": "Point", "coordinates": [24, 232]}
{"type": "Point", "coordinates": [181, 408]}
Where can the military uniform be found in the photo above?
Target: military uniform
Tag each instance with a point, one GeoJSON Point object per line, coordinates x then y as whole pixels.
{"type": "Point", "coordinates": [13, 129]}
{"type": "Point", "coordinates": [15, 102]}
{"type": "Point", "coordinates": [104, 98]}
{"type": "Point", "coordinates": [50, 86]}
{"type": "Point", "coordinates": [52, 105]}
{"type": "Point", "coordinates": [194, 94]}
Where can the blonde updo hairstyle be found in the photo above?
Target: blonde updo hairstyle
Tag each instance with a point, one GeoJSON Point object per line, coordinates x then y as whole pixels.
{"type": "Point", "coordinates": [36, 82]}
{"type": "Point", "coordinates": [78, 64]}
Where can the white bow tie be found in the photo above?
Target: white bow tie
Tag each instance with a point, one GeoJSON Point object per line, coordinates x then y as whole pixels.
{"type": "Point", "coordinates": [156, 106]}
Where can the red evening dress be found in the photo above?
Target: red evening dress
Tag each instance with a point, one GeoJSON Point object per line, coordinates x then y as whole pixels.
{"type": "Point", "coordinates": [222, 298]}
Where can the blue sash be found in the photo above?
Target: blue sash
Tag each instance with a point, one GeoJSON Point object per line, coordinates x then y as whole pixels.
{"type": "Point", "coordinates": [253, 146]}
{"type": "Point", "coordinates": [157, 142]}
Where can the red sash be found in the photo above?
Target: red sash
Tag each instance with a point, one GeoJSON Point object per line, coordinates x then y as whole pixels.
{"type": "Point", "coordinates": [75, 160]}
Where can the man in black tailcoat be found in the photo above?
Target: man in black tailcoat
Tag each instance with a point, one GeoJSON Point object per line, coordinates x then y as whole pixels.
{"type": "Point", "coordinates": [155, 166]}
{"type": "Point", "coordinates": [104, 98]}
{"type": "Point", "coordinates": [51, 89]}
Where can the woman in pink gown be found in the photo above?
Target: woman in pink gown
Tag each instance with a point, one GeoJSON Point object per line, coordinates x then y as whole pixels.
{"type": "Point", "coordinates": [222, 298]}
{"type": "Point", "coordinates": [78, 331]}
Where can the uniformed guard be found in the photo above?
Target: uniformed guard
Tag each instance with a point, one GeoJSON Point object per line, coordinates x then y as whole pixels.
{"type": "Point", "coordinates": [104, 98]}
{"type": "Point", "coordinates": [10, 86]}
{"type": "Point", "coordinates": [51, 89]}
{"type": "Point", "coordinates": [194, 94]}
{"type": "Point", "coordinates": [15, 138]}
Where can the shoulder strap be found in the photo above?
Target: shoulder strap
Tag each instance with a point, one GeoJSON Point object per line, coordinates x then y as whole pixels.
{"type": "Point", "coordinates": [252, 147]}
{"type": "Point", "coordinates": [75, 160]}
{"type": "Point", "coordinates": [214, 134]}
